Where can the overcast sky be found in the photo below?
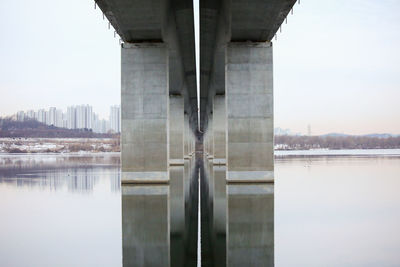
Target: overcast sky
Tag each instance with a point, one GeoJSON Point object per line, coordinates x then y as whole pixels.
{"type": "Point", "coordinates": [336, 62]}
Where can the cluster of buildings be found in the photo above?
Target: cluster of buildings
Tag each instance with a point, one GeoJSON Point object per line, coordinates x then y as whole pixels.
{"type": "Point", "coordinates": [76, 117]}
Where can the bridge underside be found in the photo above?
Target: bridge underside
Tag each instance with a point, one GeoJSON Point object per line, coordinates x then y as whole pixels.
{"type": "Point", "coordinates": [161, 118]}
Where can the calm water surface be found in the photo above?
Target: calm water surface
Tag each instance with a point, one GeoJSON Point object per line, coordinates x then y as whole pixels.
{"type": "Point", "coordinates": [72, 211]}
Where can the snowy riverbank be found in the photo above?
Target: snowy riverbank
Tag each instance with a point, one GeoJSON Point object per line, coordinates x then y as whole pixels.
{"type": "Point", "coordinates": [58, 145]}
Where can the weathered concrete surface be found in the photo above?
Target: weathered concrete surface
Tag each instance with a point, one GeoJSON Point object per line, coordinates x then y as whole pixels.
{"type": "Point", "coordinates": [176, 130]}
{"type": "Point", "coordinates": [250, 225]}
{"type": "Point", "coordinates": [210, 137]}
{"type": "Point", "coordinates": [219, 129]}
{"type": "Point", "coordinates": [145, 226]}
{"type": "Point", "coordinates": [186, 136]}
{"type": "Point", "coordinates": [249, 106]}
{"type": "Point", "coordinates": [144, 112]}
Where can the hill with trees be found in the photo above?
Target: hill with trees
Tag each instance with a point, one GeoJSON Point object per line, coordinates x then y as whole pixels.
{"type": "Point", "coordinates": [34, 129]}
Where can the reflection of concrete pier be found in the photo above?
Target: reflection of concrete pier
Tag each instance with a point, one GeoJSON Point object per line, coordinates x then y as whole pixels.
{"type": "Point", "coordinates": [177, 215]}
{"type": "Point", "coordinates": [159, 221]}
{"type": "Point", "coordinates": [145, 225]}
{"type": "Point", "coordinates": [237, 220]}
{"type": "Point", "coordinates": [250, 225]}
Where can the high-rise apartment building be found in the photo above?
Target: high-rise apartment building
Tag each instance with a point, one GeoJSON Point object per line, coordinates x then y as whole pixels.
{"type": "Point", "coordinates": [76, 117]}
{"type": "Point", "coordinates": [80, 117]}
{"type": "Point", "coordinates": [20, 116]}
{"type": "Point", "coordinates": [52, 116]}
{"type": "Point", "coordinates": [115, 119]}
{"type": "Point", "coordinates": [41, 116]}
{"type": "Point", "coordinates": [59, 122]}
{"type": "Point", "coordinates": [84, 117]}
{"type": "Point", "coordinates": [88, 117]}
{"type": "Point", "coordinates": [30, 114]}
{"type": "Point", "coordinates": [71, 117]}
{"type": "Point", "coordinates": [100, 125]}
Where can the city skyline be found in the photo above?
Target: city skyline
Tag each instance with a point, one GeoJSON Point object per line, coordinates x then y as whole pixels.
{"type": "Point", "coordinates": [335, 63]}
{"type": "Point", "coordinates": [75, 117]}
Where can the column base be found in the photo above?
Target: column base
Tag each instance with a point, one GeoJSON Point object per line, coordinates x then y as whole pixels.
{"type": "Point", "coordinates": [250, 176]}
{"type": "Point", "coordinates": [176, 162]}
{"type": "Point", "coordinates": [144, 178]}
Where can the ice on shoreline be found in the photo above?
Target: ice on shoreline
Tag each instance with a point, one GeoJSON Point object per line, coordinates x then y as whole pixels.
{"type": "Point", "coordinates": [338, 152]}
{"type": "Point", "coordinates": [58, 145]}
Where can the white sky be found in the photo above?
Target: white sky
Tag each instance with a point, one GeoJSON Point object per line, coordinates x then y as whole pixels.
{"type": "Point", "coordinates": [57, 53]}
{"type": "Point", "coordinates": [337, 67]}
{"type": "Point", "coordinates": [336, 62]}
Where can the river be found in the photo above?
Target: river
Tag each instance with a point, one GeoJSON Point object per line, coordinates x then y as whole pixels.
{"type": "Point", "coordinates": [328, 210]}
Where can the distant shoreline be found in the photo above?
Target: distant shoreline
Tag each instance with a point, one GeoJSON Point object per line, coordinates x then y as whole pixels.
{"type": "Point", "coordinates": [110, 147]}
{"type": "Point", "coordinates": [290, 146]}
{"type": "Point", "coordinates": [338, 152]}
{"type": "Point", "coordinates": [58, 145]}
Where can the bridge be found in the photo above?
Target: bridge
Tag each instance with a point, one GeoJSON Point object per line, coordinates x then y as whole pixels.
{"type": "Point", "coordinates": [199, 157]}
{"type": "Point", "coordinates": [162, 119]}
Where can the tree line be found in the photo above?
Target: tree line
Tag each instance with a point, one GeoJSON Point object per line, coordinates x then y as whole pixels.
{"type": "Point", "coordinates": [290, 142]}
{"type": "Point", "coordinates": [34, 129]}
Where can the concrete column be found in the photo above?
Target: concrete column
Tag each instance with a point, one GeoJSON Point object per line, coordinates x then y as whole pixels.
{"type": "Point", "coordinates": [210, 137]}
{"type": "Point", "coordinates": [144, 106]}
{"type": "Point", "coordinates": [193, 143]}
{"type": "Point", "coordinates": [186, 136]}
{"type": "Point", "coordinates": [190, 143]}
{"type": "Point", "coordinates": [176, 130]}
{"type": "Point", "coordinates": [192, 138]}
{"type": "Point", "coordinates": [249, 107]}
{"type": "Point", "coordinates": [205, 142]}
{"type": "Point", "coordinates": [219, 129]}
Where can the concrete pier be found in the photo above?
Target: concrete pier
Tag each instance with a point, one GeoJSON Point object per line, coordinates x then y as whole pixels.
{"type": "Point", "coordinates": [144, 112]}
{"type": "Point", "coordinates": [249, 107]}
{"type": "Point", "coordinates": [210, 137]}
{"type": "Point", "coordinates": [186, 137]}
{"type": "Point", "coordinates": [176, 130]}
{"type": "Point", "coordinates": [219, 130]}
{"type": "Point", "coordinates": [159, 59]}
{"type": "Point", "coordinates": [164, 114]}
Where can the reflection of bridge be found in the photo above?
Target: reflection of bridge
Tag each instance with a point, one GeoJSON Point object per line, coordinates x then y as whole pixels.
{"type": "Point", "coordinates": [159, 92]}
{"type": "Point", "coordinates": [160, 224]}
{"type": "Point", "coordinates": [162, 121]}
